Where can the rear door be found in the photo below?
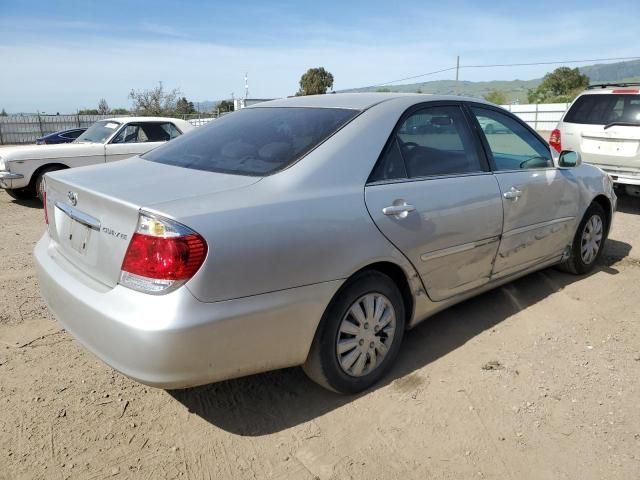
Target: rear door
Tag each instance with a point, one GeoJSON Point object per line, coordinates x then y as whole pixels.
{"type": "Point", "coordinates": [137, 138]}
{"type": "Point", "coordinates": [601, 127]}
{"type": "Point", "coordinates": [432, 195]}
{"type": "Point", "coordinates": [540, 201]}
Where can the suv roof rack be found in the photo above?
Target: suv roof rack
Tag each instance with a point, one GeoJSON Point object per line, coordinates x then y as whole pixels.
{"type": "Point", "coordinates": [607, 85]}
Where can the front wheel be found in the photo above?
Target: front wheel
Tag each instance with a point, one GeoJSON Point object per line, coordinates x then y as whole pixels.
{"type": "Point", "coordinates": [359, 336]}
{"type": "Point", "coordinates": [39, 183]}
{"type": "Point", "coordinates": [588, 242]}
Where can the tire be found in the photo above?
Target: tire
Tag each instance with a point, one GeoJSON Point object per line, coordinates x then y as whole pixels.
{"type": "Point", "coordinates": [25, 193]}
{"type": "Point", "coordinates": [379, 347]}
{"type": "Point", "coordinates": [593, 224]}
{"type": "Point", "coordinates": [39, 181]}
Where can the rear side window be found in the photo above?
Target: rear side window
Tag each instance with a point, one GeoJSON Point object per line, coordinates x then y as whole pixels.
{"type": "Point", "coordinates": [431, 141]}
{"type": "Point", "coordinates": [602, 109]}
{"type": "Point", "coordinates": [253, 141]}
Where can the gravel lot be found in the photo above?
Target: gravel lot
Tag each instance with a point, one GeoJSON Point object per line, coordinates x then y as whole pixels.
{"type": "Point", "coordinates": [536, 379]}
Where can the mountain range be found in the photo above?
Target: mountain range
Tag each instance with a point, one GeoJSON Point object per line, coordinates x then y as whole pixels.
{"type": "Point", "coordinates": [515, 90]}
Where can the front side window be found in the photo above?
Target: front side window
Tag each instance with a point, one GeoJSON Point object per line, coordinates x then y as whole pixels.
{"type": "Point", "coordinates": [253, 141]}
{"type": "Point", "coordinates": [431, 141]}
{"type": "Point", "coordinates": [512, 145]}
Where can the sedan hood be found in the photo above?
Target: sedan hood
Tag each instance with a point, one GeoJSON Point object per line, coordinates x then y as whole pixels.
{"type": "Point", "coordinates": [38, 152]}
{"type": "Point", "coordinates": [145, 183]}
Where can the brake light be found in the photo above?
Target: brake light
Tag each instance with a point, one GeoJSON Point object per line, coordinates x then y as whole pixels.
{"type": "Point", "coordinates": [555, 140]}
{"type": "Point", "coordinates": [44, 202]}
{"type": "Point", "coordinates": [626, 90]}
{"type": "Point", "coordinates": [161, 256]}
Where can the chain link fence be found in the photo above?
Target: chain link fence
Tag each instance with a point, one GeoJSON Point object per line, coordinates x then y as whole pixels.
{"type": "Point", "coordinates": [25, 129]}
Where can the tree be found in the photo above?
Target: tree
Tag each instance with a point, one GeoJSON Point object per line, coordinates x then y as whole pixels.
{"type": "Point", "coordinates": [120, 111]}
{"type": "Point", "coordinates": [3, 113]}
{"type": "Point", "coordinates": [225, 106]}
{"type": "Point", "coordinates": [103, 107]}
{"type": "Point", "coordinates": [383, 90]}
{"type": "Point", "coordinates": [496, 96]}
{"type": "Point", "coordinates": [418, 90]}
{"type": "Point", "coordinates": [184, 107]}
{"type": "Point", "coordinates": [156, 101]}
{"type": "Point", "coordinates": [315, 81]}
{"type": "Point", "coordinates": [88, 111]}
{"type": "Point", "coordinates": [561, 85]}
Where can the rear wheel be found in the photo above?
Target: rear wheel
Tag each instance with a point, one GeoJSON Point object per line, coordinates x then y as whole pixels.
{"type": "Point", "coordinates": [359, 336]}
{"type": "Point", "coordinates": [588, 242]}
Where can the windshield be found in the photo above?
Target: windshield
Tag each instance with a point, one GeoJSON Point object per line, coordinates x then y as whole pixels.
{"type": "Point", "coordinates": [99, 132]}
{"type": "Point", "coordinates": [254, 141]}
{"type": "Point", "coordinates": [603, 109]}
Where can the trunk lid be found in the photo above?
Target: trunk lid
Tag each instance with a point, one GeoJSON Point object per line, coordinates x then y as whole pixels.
{"type": "Point", "coordinates": [93, 211]}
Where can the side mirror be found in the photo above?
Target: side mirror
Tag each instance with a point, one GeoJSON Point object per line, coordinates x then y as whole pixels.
{"type": "Point", "coordinates": [569, 159]}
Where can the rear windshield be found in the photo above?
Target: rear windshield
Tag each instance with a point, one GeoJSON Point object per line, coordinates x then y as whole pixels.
{"type": "Point", "coordinates": [602, 109]}
{"type": "Point", "coordinates": [254, 141]}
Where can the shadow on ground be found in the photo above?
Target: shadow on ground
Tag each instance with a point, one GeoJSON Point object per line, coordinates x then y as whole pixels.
{"type": "Point", "coordinates": [271, 402]}
{"type": "Point", "coordinates": [628, 204]}
{"type": "Point", "coordinates": [27, 202]}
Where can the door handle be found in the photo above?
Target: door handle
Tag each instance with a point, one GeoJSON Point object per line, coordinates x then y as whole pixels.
{"type": "Point", "coordinates": [399, 210]}
{"type": "Point", "coordinates": [512, 194]}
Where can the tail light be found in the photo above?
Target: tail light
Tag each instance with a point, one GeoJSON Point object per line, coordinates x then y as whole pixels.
{"type": "Point", "coordinates": [555, 140]}
{"type": "Point", "coordinates": [162, 255]}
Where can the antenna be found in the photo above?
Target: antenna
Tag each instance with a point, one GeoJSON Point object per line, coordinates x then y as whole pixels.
{"type": "Point", "coordinates": [246, 86]}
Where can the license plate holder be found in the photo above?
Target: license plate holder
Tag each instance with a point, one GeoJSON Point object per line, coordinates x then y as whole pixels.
{"type": "Point", "coordinates": [78, 236]}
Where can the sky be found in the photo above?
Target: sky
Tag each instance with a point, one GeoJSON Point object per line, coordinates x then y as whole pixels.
{"type": "Point", "coordinates": [60, 56]}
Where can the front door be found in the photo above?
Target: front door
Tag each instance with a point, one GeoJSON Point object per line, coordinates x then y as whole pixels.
{"type": "Point", "coordinates": [432, 196]}
{"type": "Point", "coordinates": [540, 201]}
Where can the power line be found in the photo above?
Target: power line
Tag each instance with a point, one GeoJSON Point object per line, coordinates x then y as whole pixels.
{"type": "Point", "coordinates": [549, 63]}
{"type": "Point", "coordinates": [498, 65]}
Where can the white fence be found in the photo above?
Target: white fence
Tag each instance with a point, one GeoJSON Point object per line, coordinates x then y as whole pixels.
{"type": "Point", "coordinates": [541, 117]}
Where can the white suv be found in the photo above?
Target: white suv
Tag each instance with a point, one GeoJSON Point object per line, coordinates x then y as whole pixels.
{"type": "Point", "coordinates": [603, 124]}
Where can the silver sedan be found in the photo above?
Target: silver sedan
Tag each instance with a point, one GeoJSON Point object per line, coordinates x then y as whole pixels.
{"type": "Point", "coordinates": [309, 231]}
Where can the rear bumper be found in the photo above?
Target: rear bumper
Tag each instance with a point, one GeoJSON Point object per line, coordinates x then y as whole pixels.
{"type": "Point", "coordinates": [626, 176]}
{"type": "Point", "coordinates": [174, 340]}
{"type": "Point", "coordinates": [7, 178]}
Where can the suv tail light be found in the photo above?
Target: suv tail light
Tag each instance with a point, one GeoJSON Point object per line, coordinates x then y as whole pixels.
{"type": "Point", "coordinates": [162, 255]}
{"type": "Point", "coordinates": [555, 140]}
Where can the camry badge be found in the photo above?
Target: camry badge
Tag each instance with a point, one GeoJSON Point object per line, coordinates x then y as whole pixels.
{"type": "Point", "coordinates": [73, 198]}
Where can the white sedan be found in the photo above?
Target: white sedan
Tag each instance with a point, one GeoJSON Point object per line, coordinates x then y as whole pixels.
{"type": "Point", "coordinates": [22, 168]}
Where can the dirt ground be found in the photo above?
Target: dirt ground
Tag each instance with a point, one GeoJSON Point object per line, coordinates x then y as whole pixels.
{"type": "Point", "coordinates": [535, 380]}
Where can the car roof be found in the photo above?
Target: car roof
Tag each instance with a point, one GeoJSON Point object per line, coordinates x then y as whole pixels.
{"type": "Point", "coordinates": [358, 101]}
{"type": "Point", "coordinates": [140, 119]}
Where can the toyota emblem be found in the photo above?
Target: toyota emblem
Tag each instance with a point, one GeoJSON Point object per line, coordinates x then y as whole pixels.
{"type": "Point", "coordinates": [73, 198]}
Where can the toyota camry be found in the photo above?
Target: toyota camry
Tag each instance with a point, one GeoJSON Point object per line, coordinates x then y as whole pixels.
{"type": "Point", "coordinates": [309, 231]}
